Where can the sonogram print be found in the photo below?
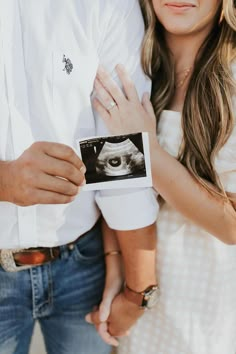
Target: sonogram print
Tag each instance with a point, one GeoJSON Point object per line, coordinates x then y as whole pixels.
{"type": "Point", "coordinates": [113, 158]}
{"type": "Point", "coordinates": [119, 159]}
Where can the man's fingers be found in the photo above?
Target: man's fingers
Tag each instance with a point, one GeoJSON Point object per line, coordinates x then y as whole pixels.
{"type": "Point", "coordinates": [59, 151]}
{"type": "Point", "coordinates": [64, 169]}
{"type": "Point", "coordinates": [57, 185]}
{"type": "Point", "coordinates": [45, 197]}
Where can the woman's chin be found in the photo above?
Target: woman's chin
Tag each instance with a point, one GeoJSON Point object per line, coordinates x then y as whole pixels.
{"type": "Point", "coordinates": [179, 30]}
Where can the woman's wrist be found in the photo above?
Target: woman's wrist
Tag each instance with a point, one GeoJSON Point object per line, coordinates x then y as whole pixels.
{"type": "Point", "coordinates": [112, 253]}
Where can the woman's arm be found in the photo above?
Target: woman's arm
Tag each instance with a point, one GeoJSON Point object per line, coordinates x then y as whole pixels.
{"type": "Point", "coordinates": [177, 186]}
{"type": "Point", "coordinates": [114, 270]}
{"type": "Point", "coordinates": [171, 179]}
{"type": "Point", "coordinates": [113, 284]}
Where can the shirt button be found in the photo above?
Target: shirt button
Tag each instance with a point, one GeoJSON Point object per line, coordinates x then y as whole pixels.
{"type": "Point", "coordinates": [71, 247]}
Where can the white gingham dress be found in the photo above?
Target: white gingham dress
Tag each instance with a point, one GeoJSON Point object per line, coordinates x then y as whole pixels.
{"type": "Point", "coordinates": [196, 313]}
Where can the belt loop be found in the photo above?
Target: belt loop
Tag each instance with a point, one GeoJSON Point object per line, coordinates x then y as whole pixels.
{"type": "Point", "coordinates": [64, 252]}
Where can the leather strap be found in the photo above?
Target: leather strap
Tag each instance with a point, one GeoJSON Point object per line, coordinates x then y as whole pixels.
{"type": "Point", "coordinates": [36, 256]}
{"type": "Point", "coordinates": [133, 296]}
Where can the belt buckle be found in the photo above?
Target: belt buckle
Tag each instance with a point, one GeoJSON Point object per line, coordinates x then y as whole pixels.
{"type": "Point", "coordinates": [8, 263]}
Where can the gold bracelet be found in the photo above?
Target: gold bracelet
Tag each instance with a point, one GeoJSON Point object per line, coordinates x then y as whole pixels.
{"type": "Point", "coordinates": [112, 253]}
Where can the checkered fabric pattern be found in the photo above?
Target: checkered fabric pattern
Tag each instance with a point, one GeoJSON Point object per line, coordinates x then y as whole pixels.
{"type": "Point", "coordinates": [196, 313]}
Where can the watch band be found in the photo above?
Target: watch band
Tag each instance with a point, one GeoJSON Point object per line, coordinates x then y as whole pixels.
{"type": "Point", "coordinates": [139, 298]}
{"type": "Point", "coordinates": [133, 296]}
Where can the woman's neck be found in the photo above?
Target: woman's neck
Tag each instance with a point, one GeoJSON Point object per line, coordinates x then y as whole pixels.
{"type": "Point", "coordinates": [184, 50]}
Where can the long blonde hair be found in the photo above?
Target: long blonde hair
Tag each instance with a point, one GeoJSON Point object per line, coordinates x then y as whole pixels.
{"type": "Point", "coordinates": [207, 117]}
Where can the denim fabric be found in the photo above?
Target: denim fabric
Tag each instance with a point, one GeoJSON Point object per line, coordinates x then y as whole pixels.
{"type": "Point", "coordinates": [58, 295]}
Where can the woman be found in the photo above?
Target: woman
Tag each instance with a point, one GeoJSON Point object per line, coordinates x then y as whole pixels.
{"type": "Point", "coordinates": [189, 52]}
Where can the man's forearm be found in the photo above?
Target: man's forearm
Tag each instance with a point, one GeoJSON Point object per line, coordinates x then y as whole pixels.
{"type": "Point", "coordinates": [138, 248]}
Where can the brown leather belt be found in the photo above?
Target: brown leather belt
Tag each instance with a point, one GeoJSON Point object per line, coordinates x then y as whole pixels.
{"type": "Point", "coordinates": [16, 260]}
{"type": "Point", "coordinates": [36, 256]}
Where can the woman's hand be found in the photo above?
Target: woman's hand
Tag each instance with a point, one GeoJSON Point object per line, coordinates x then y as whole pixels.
{"type": "Point", "coordinates": [123, 113]}
{"type": "Point", "coordinates": [113, 285]}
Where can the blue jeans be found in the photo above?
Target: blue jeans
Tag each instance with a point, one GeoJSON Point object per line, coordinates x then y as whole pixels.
{"type": "Point", "coordinates": [58, 295]}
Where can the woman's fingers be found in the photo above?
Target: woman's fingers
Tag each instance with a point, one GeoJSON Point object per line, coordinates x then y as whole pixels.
{"type": "Point", "coordinates": [101, 110]}
{"type": "Point", "coordinates": [147, 105]}
{"type": "Point", "coordinates": [127, 84]}
{"type": "Point", "coordinates": [113, 89]}
{"type": "Point", "coordinates": [102, 329]}
{"type": "Point", "coordinates": [104, 96]}
{"type": "Point", "coordinates": [110, 85]}
{"type": "Point", "coordinates": [93, 318]}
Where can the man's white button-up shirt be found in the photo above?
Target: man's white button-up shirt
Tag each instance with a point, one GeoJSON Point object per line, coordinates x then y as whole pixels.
{"type": "Point", "coordinates": [40, 101]}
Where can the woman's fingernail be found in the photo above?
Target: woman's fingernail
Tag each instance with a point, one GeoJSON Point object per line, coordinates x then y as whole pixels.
{"type": "Point", "coordinates": [88, 318]}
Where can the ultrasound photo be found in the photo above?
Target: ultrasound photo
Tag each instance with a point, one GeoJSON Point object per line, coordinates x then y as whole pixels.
{"type": "Point", "coordinates": [116, 161]}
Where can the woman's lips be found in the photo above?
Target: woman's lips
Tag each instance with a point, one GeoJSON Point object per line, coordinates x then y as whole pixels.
{"type": "Point", "coordinates": [179, 7]}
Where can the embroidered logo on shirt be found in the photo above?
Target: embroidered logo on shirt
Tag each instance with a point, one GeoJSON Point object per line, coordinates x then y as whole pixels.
{"type": "Point", "coordinates": [68, 65]}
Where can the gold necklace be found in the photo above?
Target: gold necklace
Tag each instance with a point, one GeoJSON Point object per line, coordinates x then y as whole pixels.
{"type": "Point", "coordinates": [186, 73]}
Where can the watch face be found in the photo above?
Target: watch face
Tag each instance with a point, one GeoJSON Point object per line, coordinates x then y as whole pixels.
{"type": "Point", "coordinates": [151, 297]}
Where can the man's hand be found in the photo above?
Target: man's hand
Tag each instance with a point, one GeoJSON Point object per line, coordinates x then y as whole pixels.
{"type": "Point", "coordinates": [122, 317]}
{"type": "Point", "coordinates": [46, 173]}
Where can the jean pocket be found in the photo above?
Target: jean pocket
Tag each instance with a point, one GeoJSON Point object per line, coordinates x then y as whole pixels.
{"type": "Point", "coordinates": [89, 249]}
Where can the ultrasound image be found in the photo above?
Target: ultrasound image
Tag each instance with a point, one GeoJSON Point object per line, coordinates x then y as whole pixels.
{"type": "Point", "coordinates": [119, 159]}
{"type": "Point", "coordinates": [113, 158]}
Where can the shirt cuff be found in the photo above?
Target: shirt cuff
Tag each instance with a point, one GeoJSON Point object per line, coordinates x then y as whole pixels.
{"type": "Point", "coordinates": [128, 210]}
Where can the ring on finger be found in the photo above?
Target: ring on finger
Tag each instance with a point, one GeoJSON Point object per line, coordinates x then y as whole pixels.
{"type": "Point", "coordinates": [112, 105]}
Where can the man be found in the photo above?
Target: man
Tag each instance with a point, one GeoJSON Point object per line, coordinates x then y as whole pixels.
{"type": "Point", "coordinates": [54, 271]}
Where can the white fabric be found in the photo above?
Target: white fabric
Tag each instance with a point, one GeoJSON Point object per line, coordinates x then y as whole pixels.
{"type": "Point", "coordinates": [196, 313]}
{"type": "Point", "coordinates": [40, 101]}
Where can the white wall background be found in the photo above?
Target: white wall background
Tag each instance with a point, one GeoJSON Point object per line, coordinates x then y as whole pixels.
{"type": "Point", "coordinates": [37, 345]}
